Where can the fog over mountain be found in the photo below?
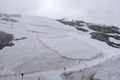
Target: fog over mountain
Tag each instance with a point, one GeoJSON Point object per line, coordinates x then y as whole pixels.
{"type": "Point", "coordinates": [97, 11]}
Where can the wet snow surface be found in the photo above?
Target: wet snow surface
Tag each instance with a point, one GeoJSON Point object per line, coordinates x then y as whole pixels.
{"type": "Point", "coordinates": [44, 47]}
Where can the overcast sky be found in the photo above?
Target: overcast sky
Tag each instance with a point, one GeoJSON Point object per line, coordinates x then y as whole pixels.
{"type": "Point", "coordinates": [96, 11]}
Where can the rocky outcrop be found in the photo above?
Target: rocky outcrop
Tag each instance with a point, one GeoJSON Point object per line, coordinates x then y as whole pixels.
{"type": "Point", "coordinates": [22, 38]}
{"type": "Point", "coordinates": [77, 24]}
{"type": "Point", "coordinates": [81, 29]}
{"type": "Point", "coordinates": [104, 28]}
{"type": "Point", "coordinates": [5, 39]}
{"type": "Point", "coordinates": [105, 37]}
{"type": "Point", "coordinates": [99, 32]}
{"type": "Point", "coordinates": [99, 36]}
{"type": "Point", "coordinates": [9, 20]}
{"type": "Point", "coordinates": [9, 17]}
{"type": "Point", "coordinates": [102, 33]}
{"type": "Point", "coordinates": [72, 23]}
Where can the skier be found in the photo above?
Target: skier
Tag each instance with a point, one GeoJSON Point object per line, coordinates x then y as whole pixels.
{"type": "Point", "coordinates": [22, 74]}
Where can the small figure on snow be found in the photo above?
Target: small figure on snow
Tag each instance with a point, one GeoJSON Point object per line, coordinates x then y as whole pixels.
{"type": "Point", "coordinates": [65, 70]}
{"type": "Point", "coordinates": [38, 78]}
{"type": "Point", "coordinates": [22, 74]}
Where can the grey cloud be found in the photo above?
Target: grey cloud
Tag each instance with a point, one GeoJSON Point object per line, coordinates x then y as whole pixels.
{"type": "Point", "coordinates": [97, 11]}
{"type": "Point", "coordinates": [19, 6]}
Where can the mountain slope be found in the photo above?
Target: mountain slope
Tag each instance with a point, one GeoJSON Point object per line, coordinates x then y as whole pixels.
{"type": "Point", "coordinates": [99, 32]}
{"type": "Point", "coordinates": [45, 46]}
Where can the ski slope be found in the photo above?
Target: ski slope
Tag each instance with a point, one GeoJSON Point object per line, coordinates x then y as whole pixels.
{"type": "Point", "coordinates": [47, 49]}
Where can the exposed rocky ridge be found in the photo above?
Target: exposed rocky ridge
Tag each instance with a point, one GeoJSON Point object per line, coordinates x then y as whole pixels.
{"type": "Point", "coordinates": [99, 32]}
{"type": "Point", "coordinates": [105, 37]}
{"type": "Point", "coordinates": [104, 28]}
{"type": "Point", "coordinates": [9, 17]}
{"type": "Point", "coordinates": [72, 23]}
{"type": "Point", "coordinates": [81, 29]}
{"type": "Point", "coordinates": [5, 39]}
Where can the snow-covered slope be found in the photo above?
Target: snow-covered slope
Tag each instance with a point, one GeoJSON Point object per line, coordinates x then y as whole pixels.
{"type": "Point", "coordinates": [109, 71]}
{"type": "Point", "coordinates": [41, 44]}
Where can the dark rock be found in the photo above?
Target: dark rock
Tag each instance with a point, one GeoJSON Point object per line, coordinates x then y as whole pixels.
{"type": "Point", "coordinates": [22, 38]}
{"type": "Point", "coordinates": [10, 15]}
{"type": "Point", "coordinates": [77, 24]}
{"type": "Point", "coordinates": [104, 29]}
{"type": "Point", "coordinates": [9, 20]}
{"type": "Point", "coordinates": [72, 23]}
{"type": "Point", "coordinates": [105, 37]}
{"type": "Point", "coordinates": [116, 45]}
{"type": "Point", "coordinates": [2, 45]}
{"type": "Point", "coordinates": [102, 32]}
{"type": "Point", "coordinates": [99, 36]}
{"type": "Point", "coordinates": [115, 37]}
{"type": "Point", "coordinates": [5, 39]}
{"type": "Point", "coordinates": [81, 29]}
